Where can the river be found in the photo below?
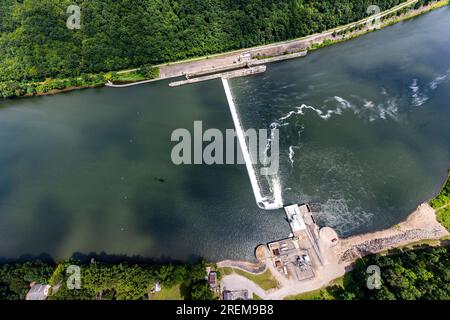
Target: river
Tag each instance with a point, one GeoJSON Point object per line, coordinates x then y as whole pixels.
{"type": "Point", "coordinates": [364, 125]}
{"type": "Point", "coordinates": [364, 132]}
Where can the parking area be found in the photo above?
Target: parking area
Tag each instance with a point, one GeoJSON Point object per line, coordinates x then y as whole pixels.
{"type": "Point", "coordinates": [291, 259]}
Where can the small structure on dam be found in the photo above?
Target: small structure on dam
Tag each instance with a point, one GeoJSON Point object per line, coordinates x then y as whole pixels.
{"type": "Point", "coordinates": [304, 226]}
{"type": "Point", "coordinates": [301, 254]}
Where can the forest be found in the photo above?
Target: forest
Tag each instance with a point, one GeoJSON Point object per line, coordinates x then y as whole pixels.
{"type": "Point", "coordinates": [411, 275]}
{"type": "Point", "coordinates": [420, 274]}
{"type": "Point", "coordinates": [40, 54]}
{"type": "Point", "coordinates": [104, 281]}
{"type": "Point", "coordinates": [36, 44]}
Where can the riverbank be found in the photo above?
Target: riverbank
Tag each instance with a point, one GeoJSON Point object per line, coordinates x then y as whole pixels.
{"type": "Point", "coordinates": [346, 34]}
{"type": "Point", "coordinates": [262, 281]}
{"type": "Point", "coordinates": [421, 227]}
{"type": "Point", "coordinates": [442, 205]}
{"type": "Point", "coordinates": [275, 51]}
{"type": "Point", "coordinates": [210, 63]}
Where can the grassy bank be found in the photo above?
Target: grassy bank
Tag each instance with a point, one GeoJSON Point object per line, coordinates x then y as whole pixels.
{"type": "Point", "coordinates": [443, 216]}
{"type": "Point", "coordinates": [265, 280]}
{"type": "Point", "coordinates": [171, 293]}
{"type": "Point", "coordinates": [129, 77]}
{"type": "Point", "coordinates": [442, 205]}
{"type": "Point", "coordinates": [13, 89]}
{"type": "Point", "coordinates": [320, 294]}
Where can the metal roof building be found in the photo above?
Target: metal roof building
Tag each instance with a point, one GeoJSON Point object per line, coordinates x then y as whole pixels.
{"type": "Point", "coordinates": [38, 292]}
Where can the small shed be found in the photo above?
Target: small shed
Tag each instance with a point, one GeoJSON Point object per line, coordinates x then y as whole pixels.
{"type": "Point", "coordinates": [245, 57]}
{"type": "Point", "coordinates": [156, 288]}
{"type": "Point", "coordinates": [235, 295]}
{"type": "Point", "coordinates": [38, 292]}
{"type": "Point", "coordinates": [212, 279]}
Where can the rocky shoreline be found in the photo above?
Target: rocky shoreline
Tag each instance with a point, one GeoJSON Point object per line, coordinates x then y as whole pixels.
{"type": "Point", "coordinates": [420, 225]}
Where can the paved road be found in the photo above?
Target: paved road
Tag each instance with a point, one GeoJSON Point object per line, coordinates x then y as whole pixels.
{"type": "Point", "coordinates": [237, 282]}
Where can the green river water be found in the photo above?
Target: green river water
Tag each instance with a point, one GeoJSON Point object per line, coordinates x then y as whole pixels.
{"type": "Point", "coordinates": [364, 133]}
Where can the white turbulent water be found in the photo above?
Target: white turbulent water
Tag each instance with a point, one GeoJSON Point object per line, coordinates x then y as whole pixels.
{"type": "Point", "coordinates": [291, 155]}
{"type": "Point", "coordinates": [364, 107]}
{"type": "Point", "coordinates": [336, 213]}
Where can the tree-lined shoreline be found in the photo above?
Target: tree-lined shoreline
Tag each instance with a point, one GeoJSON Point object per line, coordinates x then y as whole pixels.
{"type": "Point", "coordinates": [64, 61]}
{"type": "Point", "coordinates": [413, 271]}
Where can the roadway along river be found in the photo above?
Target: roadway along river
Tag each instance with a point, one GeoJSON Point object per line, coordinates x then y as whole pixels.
{"type": "Point", "coordinates": [90, 171]}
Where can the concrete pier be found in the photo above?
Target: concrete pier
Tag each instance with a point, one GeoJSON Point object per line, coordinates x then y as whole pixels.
{"type": "Point", "coordinates": [227, 75]}
{"type": "Point", "coordinates": [302, 223]}
{"type": "Point", "coordinates": [223, 69]}
{"type": "Point", "coordinates": [257, 62]}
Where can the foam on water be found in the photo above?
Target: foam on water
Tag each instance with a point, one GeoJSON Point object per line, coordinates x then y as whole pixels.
{"type": "Point", "coordinates": [291, 155]}
{"type": "Point", "coordinates": [276, 189]}
{"type": "Point", "coordinates": [418, 97]}
{"type": "Point", "coordinates": [337, 214]}
{"type": "Point", "coordinates": [362, 107]}
{"type": "Point", "coordinates": [301, 111]}
{"type": "Point", "coordinates": [353, 181]}
{"type": "Point", "coordinates": [421, 95]}
{"type": "Point", "coordinates": [439, 79]}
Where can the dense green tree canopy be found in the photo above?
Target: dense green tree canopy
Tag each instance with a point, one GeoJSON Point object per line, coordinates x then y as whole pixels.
{"type": "Point", "coordinates": [102, 281]}
{"type": "Point", "coordinates": [422, 274]}
{"type": "Point", "coordinates": [35, 43]}
{"type": "Point", "coordinates": [15, 279]}
{"type": "Point", "coordinates": [412, 275]}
